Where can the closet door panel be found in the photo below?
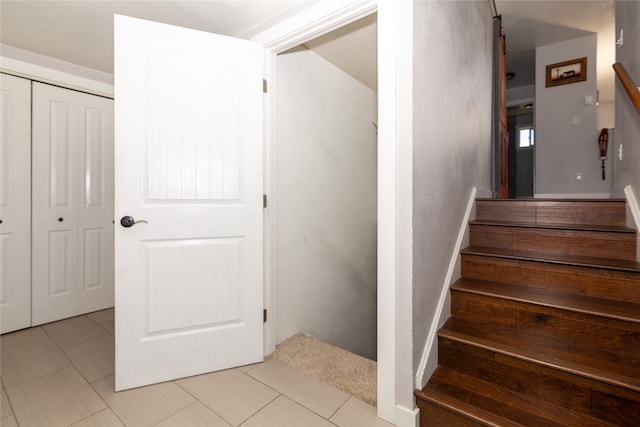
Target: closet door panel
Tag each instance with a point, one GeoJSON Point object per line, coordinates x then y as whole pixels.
{"type": "Point", "coordinates": [61, 250]}
{"type": "Point", "coordinates": [72, 203]}
{"type": "Point", "coordinates": [95, 210]}
{"type": "Point", "coordinates": [56, 131]}
{"type": "Point", "coordinates": [15, 203]}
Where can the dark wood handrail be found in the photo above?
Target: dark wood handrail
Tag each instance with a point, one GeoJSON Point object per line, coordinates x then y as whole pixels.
{"type": "Point", "coordinates": [627, 83]}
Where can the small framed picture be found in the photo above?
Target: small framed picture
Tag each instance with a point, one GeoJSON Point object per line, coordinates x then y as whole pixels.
{"type": "Point", "coordinates": [565, 72]}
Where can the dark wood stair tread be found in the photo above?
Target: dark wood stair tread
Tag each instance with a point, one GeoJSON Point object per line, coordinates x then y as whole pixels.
{"type": "Point", "coordinates": [430, 394]}
{"type": "Point", "coordinates": [559, 226]}
{"type": "Point", "coordinates": [553, 354]}
{"type": "Point", "coordinates": [619, 310]}
{"type": "Point", "coordinates": [506, 407]}
{"type": "Point", "coordinates": [550, 200]}
{"type": "Point", "coordinates": [577, 260]}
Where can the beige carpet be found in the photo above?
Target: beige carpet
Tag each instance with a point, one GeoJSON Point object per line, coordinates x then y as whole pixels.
{"type": "Point", "coordinates": [346, 371]}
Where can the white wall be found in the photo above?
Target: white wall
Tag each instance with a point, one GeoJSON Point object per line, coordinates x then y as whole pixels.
{"type": "Point", "coordinates": [563, 148]}
{"type": "Point", "coordinates": [627, 118]}
{"type": "Point", "coordinates": [606, 115]}
{"type": "Point", "coordinates": [452, 147]}
{"type": "Point", "coordinates": [325, 165]}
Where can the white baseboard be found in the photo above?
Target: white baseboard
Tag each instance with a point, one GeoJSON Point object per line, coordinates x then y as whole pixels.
{"type": "Point", "coordinates": [407, 417]}
{"type": "Point", "coordinates": [422, 373]}
{"type": "Point", "coordinates": [573, 196]}
{"type": "Point", "coordinates": [632, 202]}
{"type": "Point", "coordinates": [634, 221]}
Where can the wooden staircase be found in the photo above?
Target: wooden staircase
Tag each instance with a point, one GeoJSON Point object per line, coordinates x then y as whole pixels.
{"type": "Point", "coordinates": [545, 321]}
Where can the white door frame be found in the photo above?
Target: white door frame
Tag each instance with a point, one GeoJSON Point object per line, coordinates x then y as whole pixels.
{"type": "Point", "coordinates": [395, 340]}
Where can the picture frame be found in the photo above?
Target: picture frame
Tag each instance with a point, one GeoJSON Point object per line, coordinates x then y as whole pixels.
{"type": "Point", "coordinates": [562, 73]}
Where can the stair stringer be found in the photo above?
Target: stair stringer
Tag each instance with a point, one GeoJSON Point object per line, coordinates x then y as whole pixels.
{"type": "Point", "coordinates": [429, 359]}
{"type": "Point", "coordinates": [634, 219]}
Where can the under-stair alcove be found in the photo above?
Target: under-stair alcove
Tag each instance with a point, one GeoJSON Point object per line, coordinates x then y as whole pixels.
{"type": "Point", "coordinates": [325, 207]}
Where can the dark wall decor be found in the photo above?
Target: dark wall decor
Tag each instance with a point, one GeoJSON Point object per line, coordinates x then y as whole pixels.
{"type": "Point", "coordinates": [565, 72]}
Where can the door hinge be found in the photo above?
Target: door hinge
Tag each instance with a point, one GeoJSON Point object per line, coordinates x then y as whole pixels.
{"type": "Point", "coordinates": [264, 201]}
{"type": "Point", "coordinates": [264, 86]}
{"type": "Point", "coordinates": [264, 316]}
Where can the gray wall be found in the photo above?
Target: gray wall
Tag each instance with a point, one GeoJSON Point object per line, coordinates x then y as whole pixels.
{"type": "Point", "coordinates": [627, 118]}
{"type": "Point", "coordinates": [452, 148]}
{"type": "Point", "coordinates": [563, 148]}
{"type": "Point", "coordinates": [326, 172]}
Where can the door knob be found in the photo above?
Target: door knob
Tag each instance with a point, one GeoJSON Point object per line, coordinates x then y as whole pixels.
{"type": "Point", "coordinates": [128, 221]}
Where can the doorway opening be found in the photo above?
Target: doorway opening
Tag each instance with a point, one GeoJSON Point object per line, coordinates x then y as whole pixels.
{"type": "Point", "coordinates": [520, 125]}
{"type": "Point", "coordinates": [326, 201]}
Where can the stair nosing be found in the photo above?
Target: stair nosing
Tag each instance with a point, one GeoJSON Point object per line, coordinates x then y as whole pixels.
{"type": "Point", "coordinates": [579, 261]}
{"type": "Point", "coordinates": [543, 360]}
{"type": "Point", "coordinates": [547, 199]}
{"type": "Point", "coordinates": [558, 306]}
{"type": "Point", "coordinates": [469, 411]}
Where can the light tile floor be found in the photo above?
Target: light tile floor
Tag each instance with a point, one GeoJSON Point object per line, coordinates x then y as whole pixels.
{"type": "Point", "coordinates": [62, 374]}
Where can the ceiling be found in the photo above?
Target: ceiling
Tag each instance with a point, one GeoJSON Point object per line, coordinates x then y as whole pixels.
{"type": "Point", "coordinates": [81, 32]}
{"type": "Point", "coordinates": [353, 48]}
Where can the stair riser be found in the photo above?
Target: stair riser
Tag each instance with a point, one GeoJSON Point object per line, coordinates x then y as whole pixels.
{"type": "Point", "coordinates": [589, 397]}
{"type": "Point", "coordinates": [587, 281]}
{"type": "Point", "coordinates": [435, 415]}
{"type": "Point", "coordinates": [578, 331]}
{"type": "Point", "coordinates": [612, 213]}
{"type": "Point", "coordinates": [508, 415]}
{"type": "Point", "coordinates": [551, 241]}
{"type": "Point", "coordinates": [514, 407]}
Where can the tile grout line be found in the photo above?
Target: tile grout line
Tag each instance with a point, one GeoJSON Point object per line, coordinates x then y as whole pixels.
{"type": "Point", "coordinates": [13, 412]}
{"type": "Point", "coordinates": [91, 384]}
{"type": "Point", "coordinates": [295, 401]}
{"type": "Point", "coordinates": [247, 373]}
{"type": "Point", "coordinates": [82, 375]}
{"type": "Point", "coordinates": [266, 404]}
{"type": "Point", "coordinates": [197, 400]}
{"type": "Point", "coordinates": [92, 388]}
{"type": "Point", "coordinates": [340, 407]}
{"type": "Point", "coordinates": [71, 365]}
{"type": "Point", "coordinates": [43, 375]}
{"type": "Point", "coordinates": [105, 402]}
{"type": "Point", "coordinates": [256, 412]}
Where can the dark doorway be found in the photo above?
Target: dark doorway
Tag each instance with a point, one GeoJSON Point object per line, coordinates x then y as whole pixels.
{"type": "Point", "coordinates": [521, 150]}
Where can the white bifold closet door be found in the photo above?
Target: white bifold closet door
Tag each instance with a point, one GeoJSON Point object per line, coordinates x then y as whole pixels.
{"type": "Point", "coordinates": [15, 203]}
{"type": "Point", "coordinates": [72, 202]}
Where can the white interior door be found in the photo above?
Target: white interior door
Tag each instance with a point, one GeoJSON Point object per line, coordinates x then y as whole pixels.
{"type": "Point", "coordinates": [15, 203]}
{"type": "Point", "coordinates": [72, 201]}
{"type": "Point", "coordinates": [188, 159]}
